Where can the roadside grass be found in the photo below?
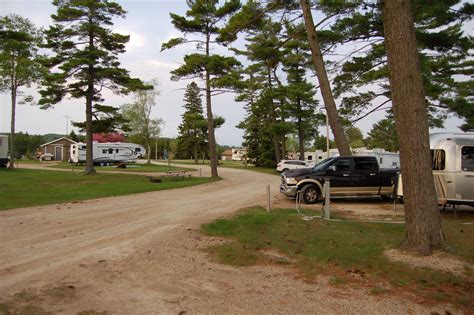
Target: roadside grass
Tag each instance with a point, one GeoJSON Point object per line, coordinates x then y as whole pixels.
{"type": "Point", "coordinates": [24, 188]}
{"type": "Point", "coordinates": [229, 164]}
{"type": "Point", "coordinates": [350, 252]}
{"type": "Point", "coordinates": [141, 168]}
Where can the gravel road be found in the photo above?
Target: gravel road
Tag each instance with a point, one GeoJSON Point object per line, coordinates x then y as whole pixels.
{"type": "Point", "coordinates": [142, 254]}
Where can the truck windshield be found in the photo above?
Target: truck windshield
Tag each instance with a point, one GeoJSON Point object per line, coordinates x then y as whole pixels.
{"type": "Point", "coordinates": [323, 164]}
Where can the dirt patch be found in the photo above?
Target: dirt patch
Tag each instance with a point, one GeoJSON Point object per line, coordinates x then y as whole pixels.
{"type": "Point", "coordinates": [438, 261]}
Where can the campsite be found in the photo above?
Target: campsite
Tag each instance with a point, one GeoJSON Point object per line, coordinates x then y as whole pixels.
{"type": "Point", "coordinates": [236, 157]}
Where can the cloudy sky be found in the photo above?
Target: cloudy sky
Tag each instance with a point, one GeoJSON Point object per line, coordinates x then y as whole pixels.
{"type": "Point", "coordinates": [148, 24]}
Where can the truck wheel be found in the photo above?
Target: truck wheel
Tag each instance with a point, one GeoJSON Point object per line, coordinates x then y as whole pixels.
{"type": "Point", "coordinates": [284, 170]}
{"type": "Point", "coordinates": [310, 194]}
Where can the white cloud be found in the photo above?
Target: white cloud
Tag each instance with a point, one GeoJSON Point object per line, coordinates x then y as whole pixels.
{"type": "Point", "coordinates": [161, 64]}
{"type": "Point", "coordinates": [136, 40]}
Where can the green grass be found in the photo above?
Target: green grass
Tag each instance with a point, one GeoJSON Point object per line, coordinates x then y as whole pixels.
{"type": "Point", "coordinates": [141, 168]}
{"type": "Point", "coordinates": [230, 164]}
{"type": "Point", "coordinates": [346, 248]}
{"type": "Point", "coordinates": [23, 188]}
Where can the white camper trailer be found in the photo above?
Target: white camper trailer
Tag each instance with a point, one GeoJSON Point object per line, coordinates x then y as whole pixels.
{"type": "Point", "coordinates": [107, 152]}
{"type": "Point", "coordinates": [386, 159]}
{"type": "Point", "coordinates": [4, 151]}
{"type": "Point", "coordinates": [453, 167]}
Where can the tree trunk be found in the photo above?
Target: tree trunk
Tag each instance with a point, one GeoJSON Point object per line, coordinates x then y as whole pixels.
{"type": "Point", "coordinates": [149, 152]}
{"type": "Point", "coordinates": [210, 120]}
{"type": "Point", "coordinates": [276, 143]}
{"type": "Point", "coordinates": [12, 126]}
{"type": "Point", "coordinates": [196, 144]}
{"type": "Point", "coordinates": [331, 109]}
{"type": "Point", "coordinates": [300, 133]}
{"type": "Point", "coordinates": [89, 170]}
{"type": "Point", "coordinates": [423, 223]}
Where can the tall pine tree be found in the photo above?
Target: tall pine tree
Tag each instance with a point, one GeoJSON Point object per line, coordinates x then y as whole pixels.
{"type": "Point", "coordinates": [193, 128]}
{"type": "Point", "coordinates": [85, 58]}
{"type": "Point", "coordinates": [205, 19]}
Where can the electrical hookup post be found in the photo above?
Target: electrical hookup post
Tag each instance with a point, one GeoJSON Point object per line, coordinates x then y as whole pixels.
{"type": "Point", "coordinates": [269, 200]}
{"type": "Point", "coordinates": [327, 199]}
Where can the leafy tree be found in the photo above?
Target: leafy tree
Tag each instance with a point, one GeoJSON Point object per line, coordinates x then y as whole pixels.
{"type": "Point", "coordinates": [424, 232]}
{"type": "Point", "coordinates": [108, 137]}
{"type": "Point", "coordinates": [19, 64]}
{"type": "Point", "coordinates": [85, 58]}
{"type": "Point", "coordinates": [383, 135]}
{"type": "Point", "coordinates": [138, 113]}
{"type": "Point", "coordinates": [205, 19]}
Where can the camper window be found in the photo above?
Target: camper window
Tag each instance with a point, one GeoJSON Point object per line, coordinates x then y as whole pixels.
{"type": "Point", "coordinates": [138, 149]}
{"type": "Point", "coordinates": [438, 159]}
{"type": "Point", "coordinates": [104, 151]}
{"type": "Point", "coordinates": [116, 150]}
{"type": "Point", "coordinates": [467, 158]}
{"type": "Point", "coordinates": [111, 151]}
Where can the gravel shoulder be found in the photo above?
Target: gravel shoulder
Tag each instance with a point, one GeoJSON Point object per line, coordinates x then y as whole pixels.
{"type": "Point", "coordinates": [142, 254]}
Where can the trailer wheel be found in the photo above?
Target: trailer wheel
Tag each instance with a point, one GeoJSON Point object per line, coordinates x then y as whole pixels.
{"type": "Point", "coordinates": [310, 194]}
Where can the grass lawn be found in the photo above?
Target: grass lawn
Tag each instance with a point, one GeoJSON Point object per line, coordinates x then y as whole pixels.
{"type": "Point", "coordinates": [230, 164]}
{"type": "Point", "coordinates": [142, 168]}
{"type": "Point", "coordinates": [24, 188]}
{"type": "Point", "coordinates": [348, 251]}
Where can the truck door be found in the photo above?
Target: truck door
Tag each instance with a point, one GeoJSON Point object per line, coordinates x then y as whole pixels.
{"type": "Point", "coordinates": [341, 177]}
{"type": "Point", "coordinates": [366, 176]}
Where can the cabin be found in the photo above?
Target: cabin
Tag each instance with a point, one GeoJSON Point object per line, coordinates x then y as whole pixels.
{"type": "Point", "coordinates": [226, 155]}
{"type": "Point", "coordinates": [59, 149]}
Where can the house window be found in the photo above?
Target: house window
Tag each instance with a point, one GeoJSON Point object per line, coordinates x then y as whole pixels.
{"type": "Point", "coordinates": [467, 158]}
{"type": "Point", "coordinates": [438, 158]}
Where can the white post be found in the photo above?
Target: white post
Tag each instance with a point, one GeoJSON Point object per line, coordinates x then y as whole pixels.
{"type": "Point", "coordinates": [327, 199]}
{"type": "Point", "coordinates": [200, 174]}
{"type": "Point", "coordinates": [269, 205]}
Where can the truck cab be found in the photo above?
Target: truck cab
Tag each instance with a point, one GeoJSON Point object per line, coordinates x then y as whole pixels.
{"type": "Point", "coordinates": [348, 176]}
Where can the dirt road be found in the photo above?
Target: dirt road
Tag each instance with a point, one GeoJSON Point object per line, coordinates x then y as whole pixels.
{"type": "Point", "coordinates": [141, 254]}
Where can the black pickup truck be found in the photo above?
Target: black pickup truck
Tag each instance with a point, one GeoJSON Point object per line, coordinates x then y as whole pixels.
{"type": "Point", "coordinates": [348, 176]}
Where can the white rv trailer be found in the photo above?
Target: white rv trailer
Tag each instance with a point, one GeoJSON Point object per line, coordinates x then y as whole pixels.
{"type": "Point", "coordinates": [386, 159]}
{"type": "Point", "coordinates": [4, 151]}
{"type": "Point", "coordinates": [107, 152]}
{"type": "Point", "coordinates": [453, 167]}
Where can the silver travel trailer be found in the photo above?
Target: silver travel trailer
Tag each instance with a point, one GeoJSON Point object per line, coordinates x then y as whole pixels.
{"type": "Point", "coordinates": [107, 152]}
{"type": "Point", "coordinates": [453, 168]}
{"type": "Point", "coordinates": [4, 151]}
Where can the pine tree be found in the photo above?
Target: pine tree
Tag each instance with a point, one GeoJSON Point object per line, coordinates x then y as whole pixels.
{"type": "Point", "coordinates": [334, 119]}
{"type": "Point", "coordinates": [424, 232]}
{"type": "Point", "coordinates": [302, 107]}
{"type": "Point", "coordinates": [205, 19]}
{"type": "Point", "coordinates": [383, 135]}
{"type": "Point", "coordinates": [445, 55]}
{"type": "Point", "coordinates": [19, 64]}
{"type": "Point", "coordinates": [193, 128]}
{"type": "Point", "coordinates": [85, 56]}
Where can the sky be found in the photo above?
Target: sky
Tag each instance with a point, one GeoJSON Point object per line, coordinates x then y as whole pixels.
{"type": "Point", "coordinates": [149, 25]}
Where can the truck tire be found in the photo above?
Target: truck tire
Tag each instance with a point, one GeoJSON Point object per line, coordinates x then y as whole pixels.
{"type": "Point", "coordinates": [310, 194]}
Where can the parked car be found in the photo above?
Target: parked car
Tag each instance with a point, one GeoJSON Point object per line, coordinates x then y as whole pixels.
{"type": "Point", "coordinates": [348, 176]}
{"type": "Point", "coordinates": [286, 165]}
